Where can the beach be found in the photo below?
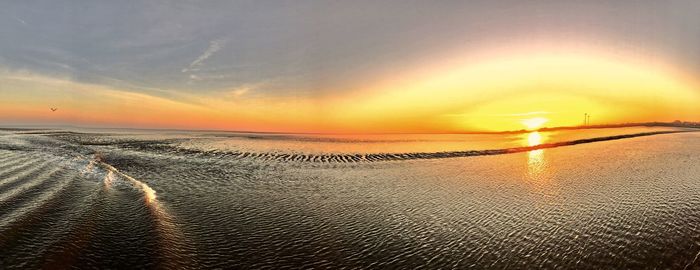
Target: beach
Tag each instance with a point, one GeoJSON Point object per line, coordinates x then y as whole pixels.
{"type": "Point", "coordinates": [164, 200]}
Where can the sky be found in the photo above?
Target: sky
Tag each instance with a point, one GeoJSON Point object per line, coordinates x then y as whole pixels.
{"type": "Point", "coordinates": [348, 66]}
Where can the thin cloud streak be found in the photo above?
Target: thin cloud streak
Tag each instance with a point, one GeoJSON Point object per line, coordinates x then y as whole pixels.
{"type": "Point", "coordinates": [500, 114]}
{"type": "Point", "coordinates": [214, 46]}
{"type": "Point", "coordinates": [522, 114]}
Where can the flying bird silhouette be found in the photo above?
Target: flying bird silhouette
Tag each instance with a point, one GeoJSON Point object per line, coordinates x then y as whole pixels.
{"type": "Point", "coordinates": [54, 109]}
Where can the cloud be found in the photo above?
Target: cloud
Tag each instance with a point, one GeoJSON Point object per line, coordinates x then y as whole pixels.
{"type": "Point", "coordinates": [499, 114]}
{"type": "Point", "coordinates": [20, 20]}
{"type": "Point", "coordinates": [117, 90]}
{"type": "Point", "coordinates": [239, 92]}
{"type": "Point", "coordinates": [245, 90]}
{"type": "Point", "coordinates": [200, 77]}
{"type": "Point", "coordinates": [523, 114]}
{"type": "Point", "coordinates": [214, 46]}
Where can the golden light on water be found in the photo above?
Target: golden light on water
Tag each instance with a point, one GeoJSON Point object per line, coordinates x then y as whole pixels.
{"type": "Point", "coordinates": [534, 138]}
{"type": "Point", "coordinates": [108, 180]}
{"type": "Point", "coordinates": [148, 193]}
{"type": "Point", "coordinates": [170, 234]}
{"type": "Point", "coordinates": [535, 158]}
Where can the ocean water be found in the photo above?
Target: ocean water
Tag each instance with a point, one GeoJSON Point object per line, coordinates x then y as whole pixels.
{"type": "Point", "coordinates": [178, 200]}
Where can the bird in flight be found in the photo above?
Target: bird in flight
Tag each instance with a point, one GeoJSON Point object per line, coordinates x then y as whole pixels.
{"type": "Point", "coordinates": [54, 109]}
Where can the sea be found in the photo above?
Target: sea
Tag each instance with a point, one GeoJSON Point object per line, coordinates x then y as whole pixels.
{"type": "Point", "coordinates": [608, 198]}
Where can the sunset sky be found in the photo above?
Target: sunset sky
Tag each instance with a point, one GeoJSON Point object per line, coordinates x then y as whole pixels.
{"type": "Point", "coordinates": [348, 66]}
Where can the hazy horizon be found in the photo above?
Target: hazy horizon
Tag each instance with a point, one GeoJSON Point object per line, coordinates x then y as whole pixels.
{"type": "Point", "coordinates": [522, 130]}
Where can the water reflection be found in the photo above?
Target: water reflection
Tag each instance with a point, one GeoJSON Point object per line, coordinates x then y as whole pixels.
{"type": "Point", "coordinates": [535, 158]}
{"type": "Point", "coordinates": [534, 138]}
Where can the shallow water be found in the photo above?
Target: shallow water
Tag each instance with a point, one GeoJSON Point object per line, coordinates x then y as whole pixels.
{"type": "Point", "coordinates": [207, 200]}
{"type": "Point", "coordinates": [385, 143]}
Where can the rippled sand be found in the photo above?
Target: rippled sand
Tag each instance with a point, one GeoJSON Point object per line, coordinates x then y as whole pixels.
{"type": "Point", "coordinates": [108, 200]}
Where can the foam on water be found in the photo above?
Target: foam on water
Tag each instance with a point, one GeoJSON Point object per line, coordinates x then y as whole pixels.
{"type": "Point", "coordinates": [149, 194]}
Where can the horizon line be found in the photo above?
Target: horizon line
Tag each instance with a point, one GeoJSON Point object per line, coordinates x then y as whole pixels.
{"type": "Point", "coordinates": [676, 123]}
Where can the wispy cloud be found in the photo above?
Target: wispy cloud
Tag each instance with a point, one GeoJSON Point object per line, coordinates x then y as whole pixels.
{"type": "Point", "coordinates": [239, 92]}
{"type": "Point", "coordinates": [522, 114]}
{"type": "Point", "coordinates": [214, 46]}
{"type": "Point", "coordinates": [244, 90]}
{"type": "Point", "coordinates": [114, 88]}
{"type": "Point", "coordinates": [20, 20]}
{"type": "Point", "coordinates": [200, 77]}
{"type": "Point", "coordinates": [499, 114]}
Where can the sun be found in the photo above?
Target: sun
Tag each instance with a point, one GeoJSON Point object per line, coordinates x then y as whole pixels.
{"type": "Point", "coordinates": [534, 123]}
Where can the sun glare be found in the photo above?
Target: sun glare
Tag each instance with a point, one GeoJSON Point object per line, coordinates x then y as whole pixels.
{"type": "Point", "coordinates": [534, 123]}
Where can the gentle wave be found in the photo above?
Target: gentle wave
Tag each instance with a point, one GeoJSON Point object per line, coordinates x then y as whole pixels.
{"type": "Point", "coordinates": [36, 178]}
{"type": "Point", "coordinates": [373, 157]}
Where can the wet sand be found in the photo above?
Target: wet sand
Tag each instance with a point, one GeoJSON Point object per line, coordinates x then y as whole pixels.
{"type": "Point", "coordinates": [104, 200]}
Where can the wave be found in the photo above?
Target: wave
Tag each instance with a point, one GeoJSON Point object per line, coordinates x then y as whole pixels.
{"type": "Point", "coordinates": [170, 235]}
{"type": "Point", "coordinates": [148, 192]}
{"type": "Point", "coordinates": [373, 157]}
{"type": "Point", "coordinates": [61, 198]}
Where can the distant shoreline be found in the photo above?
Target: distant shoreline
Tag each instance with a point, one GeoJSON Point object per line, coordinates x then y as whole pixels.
{"type": "Point", "coordinates": [677, 124]}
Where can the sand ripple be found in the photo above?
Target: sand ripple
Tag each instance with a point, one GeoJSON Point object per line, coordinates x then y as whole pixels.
{"type": "Point", "coordinates": [88, 201]}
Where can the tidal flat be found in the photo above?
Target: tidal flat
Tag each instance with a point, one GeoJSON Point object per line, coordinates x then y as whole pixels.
{"type": "Point", "coordinates": [177, 199]}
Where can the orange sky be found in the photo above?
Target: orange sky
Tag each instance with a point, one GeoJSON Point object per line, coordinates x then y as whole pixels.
{"type": "Point", "coordinates": [497, 92]}
{"type": "Point", "coordinates": [348, 66]}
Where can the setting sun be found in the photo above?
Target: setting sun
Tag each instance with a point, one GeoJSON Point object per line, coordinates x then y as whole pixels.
{"type": "Point", "coordinates": [534, 123]}
{"type": "Point", "coordinates": [182, 134]}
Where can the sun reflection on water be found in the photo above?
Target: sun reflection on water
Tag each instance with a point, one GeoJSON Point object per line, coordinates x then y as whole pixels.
{"type": "Point", "coordinates": [535, 158]}
{"type": "Point", "coordinates": [534, 138]}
